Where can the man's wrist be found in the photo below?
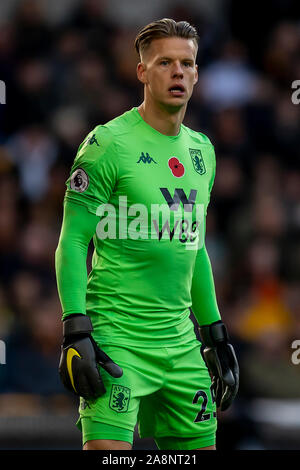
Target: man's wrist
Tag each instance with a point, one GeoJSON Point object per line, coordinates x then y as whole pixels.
{"type": "Point", "coordinates": [214, 334]}
{"type": "Point", "coordinates": [77, 325]}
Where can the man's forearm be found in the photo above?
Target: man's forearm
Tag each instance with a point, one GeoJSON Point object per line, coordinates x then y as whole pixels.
{"type": "Point", "coordinates": [204, 302]}
{"type": "Point", "coordinates": [70, 257]}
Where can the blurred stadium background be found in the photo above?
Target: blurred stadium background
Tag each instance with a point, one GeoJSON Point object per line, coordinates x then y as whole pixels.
{"type": "Point", "coordinates": [69, 65]}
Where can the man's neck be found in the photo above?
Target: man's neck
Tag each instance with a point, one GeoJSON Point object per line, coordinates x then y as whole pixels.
{"type": "Point", "coordinates": [161, 120]}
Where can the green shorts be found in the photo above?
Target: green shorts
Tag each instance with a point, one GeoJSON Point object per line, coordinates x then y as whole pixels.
{"type": "Point", "coordinates": [167, 391]}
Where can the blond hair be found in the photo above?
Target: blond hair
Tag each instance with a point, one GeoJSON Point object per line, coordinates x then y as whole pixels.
{"type": "Point", "coordinates": [164, 28]}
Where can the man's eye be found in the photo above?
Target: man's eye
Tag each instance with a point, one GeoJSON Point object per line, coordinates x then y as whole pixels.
{"type": "Point", "coordinates": [164, 62]}
{"type": "Point", "coordinates": [187, 64]}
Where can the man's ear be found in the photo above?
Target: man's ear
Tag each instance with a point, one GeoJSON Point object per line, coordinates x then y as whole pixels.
{"type": "Point", "coordinates": [141, 72]}
{"type": "Point", "coordinates": [196, 75]}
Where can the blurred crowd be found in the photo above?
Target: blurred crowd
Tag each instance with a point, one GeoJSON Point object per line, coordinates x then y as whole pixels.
{"type": "Point", "coordinates": [65, 77]}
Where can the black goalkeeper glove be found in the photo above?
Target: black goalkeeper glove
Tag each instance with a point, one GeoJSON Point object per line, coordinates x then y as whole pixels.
{"type": "Point", "coordinates": [80, 354]}
{"type": "Point", "coordinates": [221, 362]}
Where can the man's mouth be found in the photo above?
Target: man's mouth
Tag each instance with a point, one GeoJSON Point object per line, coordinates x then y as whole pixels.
{"type": "Point", "coordinates": [177, 90]}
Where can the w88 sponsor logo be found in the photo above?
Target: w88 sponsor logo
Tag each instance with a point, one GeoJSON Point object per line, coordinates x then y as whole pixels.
{"type": "Point", "coordinates": [179, 218]}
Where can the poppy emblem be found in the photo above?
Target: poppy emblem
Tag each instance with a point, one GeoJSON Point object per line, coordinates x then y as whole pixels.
{"type": "Point", "coordinates": [176, 167]}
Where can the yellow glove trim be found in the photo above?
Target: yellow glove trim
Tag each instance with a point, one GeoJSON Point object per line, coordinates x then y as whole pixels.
{"type": "Point", "coordinates": [70, 354]}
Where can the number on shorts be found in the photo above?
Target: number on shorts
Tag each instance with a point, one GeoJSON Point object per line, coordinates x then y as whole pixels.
{"type": "Point", "coordinates": [202, 416]}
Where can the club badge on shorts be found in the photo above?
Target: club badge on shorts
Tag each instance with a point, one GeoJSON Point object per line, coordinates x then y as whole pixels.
{"type": "Point", "coordinates": [119, 398]}
{"type": "Point", "coordinates": [79, 180]}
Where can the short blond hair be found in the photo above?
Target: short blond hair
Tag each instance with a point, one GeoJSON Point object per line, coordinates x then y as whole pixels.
{"type": "Point", "coordinates": [164, 28]}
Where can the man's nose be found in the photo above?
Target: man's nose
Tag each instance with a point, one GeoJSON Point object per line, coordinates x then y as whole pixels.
{"type": "Point", "coordinates": [177, 70]}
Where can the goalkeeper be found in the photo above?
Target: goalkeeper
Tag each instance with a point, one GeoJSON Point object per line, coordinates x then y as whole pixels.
{"type": "Point", "coordinates": [129, 349]}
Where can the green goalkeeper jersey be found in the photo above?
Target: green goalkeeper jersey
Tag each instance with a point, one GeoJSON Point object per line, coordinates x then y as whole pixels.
{"type": "Point", "coordinates": [150, 192]}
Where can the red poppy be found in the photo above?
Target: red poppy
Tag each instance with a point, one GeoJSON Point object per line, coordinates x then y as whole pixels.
{"type": "Point", "coordinates": [176, 167]}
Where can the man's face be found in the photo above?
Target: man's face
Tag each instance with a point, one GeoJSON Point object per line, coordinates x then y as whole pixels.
{"type": "Point", "coordinates": [169, 72]}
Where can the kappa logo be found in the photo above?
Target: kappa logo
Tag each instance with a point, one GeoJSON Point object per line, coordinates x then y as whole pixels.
{"type": "Point", "coordinates": [92, 140]}
{"type": "Point", "coordinates": [119, 398]}
{"type": "Point", "coordinates": [84, 404]}
{"type": "Point", "coordinates": [146, 159]}
{"type": "Point", "coordinates": [198, 161]}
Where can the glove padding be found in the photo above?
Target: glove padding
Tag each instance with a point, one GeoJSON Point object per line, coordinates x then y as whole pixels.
{"type": "Point", "coordinates": [221, 362]}
{"type": "Point", "coordinates": [80, 355]}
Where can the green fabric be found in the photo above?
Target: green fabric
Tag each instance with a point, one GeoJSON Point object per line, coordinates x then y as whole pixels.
{"type": "Point", "coordinates": [139, 291]}
{"type": "Point", "coordinates": [78, 228]}
{"type": "Point", "coordinates": [92, 429]}
{"type": "Point", "coordinates": [175, 443]}
{"type": "Point", "coordinates": [204, 306]}
{"type": "Point", "coordinates": [166, 390]}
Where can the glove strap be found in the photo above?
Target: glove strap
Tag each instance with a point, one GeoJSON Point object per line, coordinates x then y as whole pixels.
{"type": "Point", "coordinates": [77, 325]}
{"type": "Point", "coordinates": [214, 334]}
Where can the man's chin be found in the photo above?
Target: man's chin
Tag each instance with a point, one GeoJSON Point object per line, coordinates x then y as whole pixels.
{"type": "Point", "coordinates": [174, 104]}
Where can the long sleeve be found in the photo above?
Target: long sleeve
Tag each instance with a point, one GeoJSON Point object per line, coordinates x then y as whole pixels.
{"type": "Point", "coordinates": [204, 302]}
{"type": "Point", "coordinates": [78, 228]}
{"type": "Point", "coordinates": [90, 184]}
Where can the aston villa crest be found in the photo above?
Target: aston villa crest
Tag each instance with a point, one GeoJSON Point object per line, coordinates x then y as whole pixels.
{"type": "Point", "coordinates": [198, 161]}
{"type": "Point", "coordinates": [119, 398]}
